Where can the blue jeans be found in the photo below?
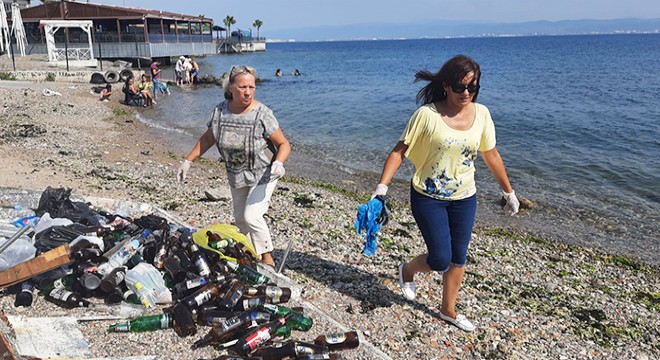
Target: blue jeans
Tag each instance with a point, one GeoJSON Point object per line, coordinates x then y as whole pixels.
{"type": "Point", "coordinates": [156, 82]}
{"type": "Point", "coordinates": [446, 226]}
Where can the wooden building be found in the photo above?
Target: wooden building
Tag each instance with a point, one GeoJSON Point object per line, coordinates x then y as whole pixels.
{"type": "Point", "coordinates": [122, 32]}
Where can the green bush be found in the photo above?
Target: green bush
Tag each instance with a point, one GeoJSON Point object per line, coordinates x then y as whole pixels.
{"type": "Point", "coordinates": [7, 76]}
{"type": "Point", "coordinates": [50, 77]}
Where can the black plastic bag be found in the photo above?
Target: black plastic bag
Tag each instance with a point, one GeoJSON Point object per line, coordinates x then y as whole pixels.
{"type": "Point", "coordinates": [56, 202]}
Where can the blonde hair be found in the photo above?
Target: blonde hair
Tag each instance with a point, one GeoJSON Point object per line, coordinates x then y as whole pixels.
{"type": "Point", "coordinates": [229, 77]}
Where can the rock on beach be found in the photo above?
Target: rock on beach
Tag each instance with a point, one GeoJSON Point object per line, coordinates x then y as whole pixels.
{"type": "Point", "coordinates": [530, 298]}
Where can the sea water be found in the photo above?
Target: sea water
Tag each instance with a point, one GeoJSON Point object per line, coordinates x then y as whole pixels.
{"type": "Point", "coordinates": [577, 120]}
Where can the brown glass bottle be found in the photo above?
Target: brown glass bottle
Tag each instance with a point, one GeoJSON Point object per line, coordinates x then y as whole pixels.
{"type": "Point", "coordinates": [232, 295]}
{"type": "Point", "coordinates": [184, 324]}
{"type": "Point", "coordinates": [202, 295]}
{"type": "Point", "coordinates": [174, 269]}
{"type": "Point", "coordinates": [254, 339]}
{"type": "Point", "coordinates": [65, 298]}
{"type": "Point", "coordinates": [289, 349]}
{"type": "Point", "coordinates": [339, 341]}
{"type": "Point", "coordinates": [200, 260]}
{"type": "Point", "coordinates": [110, 281]}
{"type": "Point", "coordinates": [274, 293]}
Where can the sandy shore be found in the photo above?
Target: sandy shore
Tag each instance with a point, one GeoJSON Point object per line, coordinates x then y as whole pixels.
{"type": "Point", "coordinates": [529, 297]}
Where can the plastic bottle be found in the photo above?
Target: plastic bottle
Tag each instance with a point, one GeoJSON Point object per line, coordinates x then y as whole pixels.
{"type": "Point", "coordinates": [25, 296]}
{"type": "Point", "coordinates": [124, 253]}
{"type": "Point", "coordinates": [147, 283]}
{"type": "Point", "coordinates": [339, 341]}
{"type": "Point", "coordinates": [144, 323]}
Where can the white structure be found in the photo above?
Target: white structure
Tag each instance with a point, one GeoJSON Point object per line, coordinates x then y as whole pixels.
{"type": "Point", "coordinates": [17, 28]}
{"type": "Point", "coordinates": [4, 31]}
{"type": "Point", "coordinates": [75, 56]}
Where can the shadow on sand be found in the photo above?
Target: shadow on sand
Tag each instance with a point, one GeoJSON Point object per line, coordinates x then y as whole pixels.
{"type": "Point", "coordinates": [365, 287]}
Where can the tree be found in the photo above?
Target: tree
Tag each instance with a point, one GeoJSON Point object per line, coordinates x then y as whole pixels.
{"type": "Point", "coordinates": [258, 23]}
{"type": "Point", "coordinates": [229, 21]}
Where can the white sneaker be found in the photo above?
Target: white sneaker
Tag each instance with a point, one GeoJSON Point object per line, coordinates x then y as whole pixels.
{"type": "Point", "coordinates": [408, 288]}
{"type": "Point", "coordinates": [460, 322]}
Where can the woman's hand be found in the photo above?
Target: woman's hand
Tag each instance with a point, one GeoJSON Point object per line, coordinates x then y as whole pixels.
{"type": "Point", "coordinates": [183, 170]}
{"type": "Point", "coordinates": [512, 204]}
{"type": "Point", "coordinates": [277, 169]}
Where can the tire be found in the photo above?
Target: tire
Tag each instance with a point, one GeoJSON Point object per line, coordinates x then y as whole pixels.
{"type": "Point", "coordinates": [97, 78]}
{"type": "Point", "coordinates": [125, 74]}
{"type": "Point", "coordinates": [111, 76]}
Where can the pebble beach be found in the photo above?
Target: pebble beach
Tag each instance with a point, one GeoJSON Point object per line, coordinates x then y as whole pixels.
{"type": "Point", "coordinates": [529, 297]}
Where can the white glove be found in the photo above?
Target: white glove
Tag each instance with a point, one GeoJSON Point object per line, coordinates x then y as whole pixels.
{"type": "Point", "coordinates": [381, 189]}
{"type": "Point", "coordinates": [277, 169]}
{"type": "Point", "coordinates": [183, 170]}
{"type": "Point", "coordinates": [512, 204]}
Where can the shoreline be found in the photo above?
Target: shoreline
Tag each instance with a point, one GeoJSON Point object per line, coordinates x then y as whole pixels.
{"type": "Point", "coordinates": [531, 298]}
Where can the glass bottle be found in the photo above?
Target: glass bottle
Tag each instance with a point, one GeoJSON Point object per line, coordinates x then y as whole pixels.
{"type": "Point", "coordinates": [202, 295]}
{"type": "Point", "coordinates": [289, 349]}
{"type": "Point", "coordinates": [254, 339]}
{"type": "Point", "coordinates": [25, 296]}
{"type": "Point", "coordinates": [66, 298]}
{"type": "Point", "coordinates": [224, 331]}
{"type": "Point", "coordinates": [275, 293]}
{"type": "Point", "coordinates": [114, 297]}
{"type": "Point", "coordinates": [183, 287]}
{"type": "Point", "coordinates": [174, 269]}
{"type": "Point", "coordinates": [295, 319]}
{"type": "Point", "coordinates": [131, 298]}
{"type": "Point", "coordinates": [144, 323]}
{"type": "Point", "coordinates": [184, 260]}
{"type": "Point", "coordinates": [110, 281]}
{"type": "Point", "coordinates": [252, 277]}
{"type": "Point", "coordinates": [210, 317]}
{"type": "Point", "coordinates": [339, 341]}
{"type": "Point", "coordinates": [232, 295]}
{"type": "Point", "coordinates": [184, 324]}
{"type": "Point", "coordinates": [200, 260]}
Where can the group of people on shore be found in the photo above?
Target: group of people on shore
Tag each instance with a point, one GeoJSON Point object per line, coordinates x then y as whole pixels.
{"type": "Point", "coordinates": [442, 139]}
{"type": "Point", "coordinates": [186, 70]}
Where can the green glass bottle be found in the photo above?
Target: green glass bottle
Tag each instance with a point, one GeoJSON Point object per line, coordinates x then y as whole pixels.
{"type": "Point", "coordinates": [144, 323]}
{"type": "Point", "coordinates": [131, 298]}
{"type": "Point", "coordinates": [297, 320]}
{"type": "Point", "coordinates": [252, 277]}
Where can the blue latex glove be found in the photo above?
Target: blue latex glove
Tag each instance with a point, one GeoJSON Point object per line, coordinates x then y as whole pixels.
{"type": "Point", "coordinates": [370, 217]}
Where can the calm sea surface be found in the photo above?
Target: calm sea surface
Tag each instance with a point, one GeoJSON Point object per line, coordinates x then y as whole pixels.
{"type": "Point", "coordinates": [577, 119]}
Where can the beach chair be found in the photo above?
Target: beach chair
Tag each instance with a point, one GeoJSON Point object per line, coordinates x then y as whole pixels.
{"type": "Point", "coordinates": [131, 98]}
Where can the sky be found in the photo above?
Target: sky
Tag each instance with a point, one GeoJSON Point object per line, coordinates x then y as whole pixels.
{"type": "Point", "coordinates": [296, 14]}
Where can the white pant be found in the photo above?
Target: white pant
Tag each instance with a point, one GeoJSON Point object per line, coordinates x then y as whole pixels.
{"type": "Point", "coordinates": [250, 206]}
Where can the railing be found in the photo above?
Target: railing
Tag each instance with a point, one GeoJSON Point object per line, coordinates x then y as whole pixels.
{"type": "Point", "coordinates": [73, 54]}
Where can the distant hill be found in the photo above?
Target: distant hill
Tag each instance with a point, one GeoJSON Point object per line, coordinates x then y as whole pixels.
{"type": "Point", "coordinates": [446, 28]}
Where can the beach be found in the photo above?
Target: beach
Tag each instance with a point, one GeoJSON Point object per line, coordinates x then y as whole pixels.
{"type": "Point", "coordinates": [530, 298]}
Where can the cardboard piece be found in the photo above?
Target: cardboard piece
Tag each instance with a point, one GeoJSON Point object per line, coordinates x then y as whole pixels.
{"type": "Point", "coordinates": [47, 261]}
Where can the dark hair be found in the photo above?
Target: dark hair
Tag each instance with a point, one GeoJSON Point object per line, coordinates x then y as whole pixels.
{"type": "Point", "coordinates": [108, 86]}
{"type": "Point", "coordinates": [452, 72]}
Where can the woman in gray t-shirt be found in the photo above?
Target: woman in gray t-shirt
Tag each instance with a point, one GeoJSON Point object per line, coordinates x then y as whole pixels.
{"type": "Point", "coordinates": [254, 149]}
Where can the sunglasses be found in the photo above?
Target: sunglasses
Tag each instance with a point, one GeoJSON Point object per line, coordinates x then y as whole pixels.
{"type": "Point", "coordinates": [459, 88]}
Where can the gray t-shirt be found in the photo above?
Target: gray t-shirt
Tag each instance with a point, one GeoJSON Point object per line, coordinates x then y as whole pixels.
{"type": "Point", "coordinates": [242, 140]}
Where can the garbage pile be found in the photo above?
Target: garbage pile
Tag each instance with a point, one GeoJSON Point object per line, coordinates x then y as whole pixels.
{"type": "Point", "coordinates": [206, 280]}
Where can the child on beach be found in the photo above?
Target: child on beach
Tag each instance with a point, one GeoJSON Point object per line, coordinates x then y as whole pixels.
{"type": "Point", "coordinates": [105, 93]}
